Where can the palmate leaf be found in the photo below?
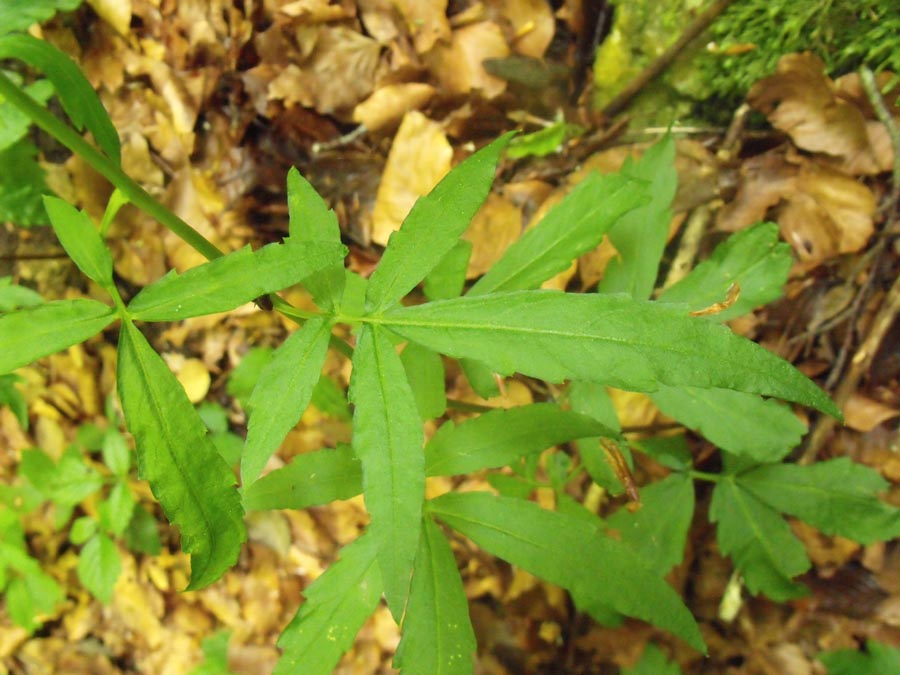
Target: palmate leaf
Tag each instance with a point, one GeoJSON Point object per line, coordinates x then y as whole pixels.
{"type": "Point", "coordinates": [759, 541]}
{"type": "Point", "coordinates": [282, 393]}
{"type": "Point", "coordinates": [571, 228]}
{"type": "Point", "coordinates": [740, 423]}
{"type": "Point", "coordinates": [437, 633]}
{"type": "Point", "coordinates": [387, 438]}
{"type": "Point", "coordinates": [337, 604]}
{"type": "Point", "coordinates": [311, 219]}
{"type": "Point", "coordinates": [29, 334]}
{"type": "Point", "coordinates": [640, 235]}
{"type": "Point", "coordinates": [837, 497]}
{"type": "Point", "coordinates": [754, 258]}
{"type": "Point", "coordinates": [498, 437]}
{"type": "Point", "coordinates": [433, 227]}
{"type": "Point", "coordinates": [569, 551]}
{"type": "Point", "coordinates": [232, 280]}
{"type": "Point", "coordinates": [311, 479]}
{"type": "Point", "coordinates": [612, 339]}
{"type": "Point", "coordinates": [192, 482]}
{"type": "Point", "coordinates": [82, 241]}
{"type": "Point", "coordinates": [75, 93]}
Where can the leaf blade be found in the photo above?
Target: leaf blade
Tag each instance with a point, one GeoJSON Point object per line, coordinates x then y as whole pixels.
{"type": "Point", "coordinates": [81, 240]}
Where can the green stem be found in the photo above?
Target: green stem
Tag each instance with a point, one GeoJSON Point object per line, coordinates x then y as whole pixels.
{"type": "Point", "coordinates": [703, 475]}
{"type": "Point", "coordinates": [105, 167]}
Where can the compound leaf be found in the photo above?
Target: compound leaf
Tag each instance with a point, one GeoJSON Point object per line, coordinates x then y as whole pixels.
{"type": "Point", "coordinates": [387, 438]}
{"type": "Point", "coordinates": [498, 437]}
{"type": "Point", "coordinates": [192, 482]}
{"type": "Point", "coordinates": [311, 219]}
{"type": "Point", "coordinates": [837, 497]}
{"type": "Point", "coordinates": [596, 569]}
{"type": "Point", "coordinates": [433, 227]}
{"type": "Point", "coordinates": [337, 604]}
{"type": "Point", "coordinates": [754, 258]}
{"type": "Point", "coordinates": [82, 241]}
{"type": "Point", "coordinates": [282, 393]}
{"type": "Point", "coordinates": [311, 479]}
{"type": "Point", "coordinates": [759, 541]}
{"type": "Point", "coordinates": [612, 339]}
{"type": "Point", "coordinates": [740, 423]}
{"type": "Point", "coordinates": [28, 334]}
{"type": "Point", "coordinates": [232, 280]}
{"type": "Point", "coordinates": [571, 228]}
{"type": "Point", "coordinates": [437, 633]}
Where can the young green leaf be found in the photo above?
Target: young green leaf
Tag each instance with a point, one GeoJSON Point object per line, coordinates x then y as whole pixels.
{"type": "Point", "coordinates": [754, 258]}
{"type": "Point", "coordinates": [740, 423]}
{"type": "Point", "coordinates": [658, 530]}
{"type": "Point", "coordinates": [22, 186]}
{"type": "Point", "coordinates": [67, 482]}
{"type": "Point", "coordinates": [116, 454]}
{"type": "Point", "coordinates": [10, 396]}
{"type": "Point", "coordinates": [640, 235]}
{"type": "Point", "coordinates": [387, 438]}
{"type": "Point", "coordinates": [595, 568]}
{"type": "Point", "coordinates": [282, 394]}
{"type": "Point", "coordinates": [337, 604]}
{"type": "Point", "coordinates": [232, 280]}
{"type": "Point", "coordinates": [15, 123]}
{"type": "Point", "coordinates": [612, 339]}
{"type": "Point", "coordinates": [433, 227]}
{"type": "Point", "coordinates": [331, 399]}
{"type": "Point", "coordinates": [571, 228]}
{"type": "Point", "coordinates": [243, 379]}
{"type": "Point", "coordinates": [653, 662]}
{"type": "Point", "coordinates": [142, 535]}
{"type": "Point", "coordinates": [188, 477]}
{"type": "Point", "coordinates": [836, 497]}
{"type": "Point", "coordinates": [29, 334]}
{"type": "Point", "coordinates": [437, 633]}
{"type": "Point", "coordinates": [13, 296]}
{"type": "Point", "coordinates": [30, 595]}
{"type": "Point", "coordinates": [116, 510]}
{"type": "Point", "coordinates": [311, 479]}
{"type": "Point", "coordinates": [19, 16]}
{"type": "Point", "coordinates": [82, 241]}
{"type": "Point", "coordinates": [498, 437]}
{"type": "Point", "coordinates": [425, 372]}
{"type": "Point", "coordinates": [310, 220]}
{"type": "Point", "coordinates": [215, 653]}
{"type": "Point", "coordinates": [759, 541]}
{"type": "Point", "coordinates": [877, 659]}
{"type": "Point", "coordinates": [592, 399]}
{"type": "Point", "coordinates": [76, 94]}
{"type": "Point", "coordinates": [448, 277]}
{"type": "Point", "coordinates": [99, 566]}
{"type": "Point", "coordinates": [481, 378]}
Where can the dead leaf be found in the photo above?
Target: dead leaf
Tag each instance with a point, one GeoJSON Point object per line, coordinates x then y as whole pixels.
{"type": "Point", "coordinates": [426, 21]}
{"type": "Point", "coordinates": [533, 24]}
{"type": "Point", "coordinates": [117, 13]}
{"type": "Point", "coordinates": [458, 66]}
{"type": "Point", "coordinates": [864, 414]}
{"type": "Point", "coordinates": [420, 156]}
{"type": "Point", "coordinates": [496, 225]}
{"type": "Point", "coordinates": [387, 105]}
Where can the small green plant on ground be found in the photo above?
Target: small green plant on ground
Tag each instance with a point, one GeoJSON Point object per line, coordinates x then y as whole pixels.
{"type": "Point", "coordinates": [673, 348]}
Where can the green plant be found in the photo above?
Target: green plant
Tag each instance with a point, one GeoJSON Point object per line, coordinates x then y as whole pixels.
{"type": "Point", "coordinates": [696, 368]}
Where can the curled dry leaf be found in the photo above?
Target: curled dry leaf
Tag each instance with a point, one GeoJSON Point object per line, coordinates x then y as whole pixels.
{"type": "Point", "coordinates": [864, 414]}
{"type": "Point", "coordinates": [802, 101]}
{"type": "Point", "coordinates": [387, 105]}
{"type": "Point", "coordinates": [420, 156]}
{"type": "Point", "coordinates": [458, 66]}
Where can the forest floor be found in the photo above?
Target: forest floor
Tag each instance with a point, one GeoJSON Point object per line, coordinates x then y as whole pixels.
{"type": "Point", "coordinates": [374, 101]}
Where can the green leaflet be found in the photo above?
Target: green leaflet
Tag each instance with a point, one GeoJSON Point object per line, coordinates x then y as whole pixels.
{"type": "Point", "coordinates": [337, 604]}
{"type": "Point", "coordinates": [75, 93]}
{"type": "Point", "coordinates": [99, 566]}
{"type": "Point", "coordinates": [498, 437]}
{"type": "Point", "coordinates": [232, 280]}
{"type": "Point", "coordinates": [658, 530]}
{"type": "Point", "coordinates": [753, 257]}
{"type": "Point", "coordinates": [640, 235]}
{"type": "Point", "coordinates": [612, 339]}
{"type": "Point", "coordinates": [14, 124]}
{"type": "Point", "coordinates": [653, 662]}
{"type": "Point", "coordinates": [437, 634]}
{"type": "Point", "coordinates": [187, 475]}
{"type": "Point", "coordinates": [480, 377]}
{"type": "Point", "coordinates": [594, 567]}
{"type": "Point", "coordinates": [740, 423]}
{"type": "Point", "coordinates": [425, 372]}
{"type": "Point", "coordinates": [433, 227]}
{"type": "Point", "coordinates": [311, 219]}
{"type": "Point", "coordinates": [837, 497]}
{"type": "Point", "coordinates": [29, 334]}
{"type": "Point", "coordinates": [16, 15]}
{"type": "Point", "coordinates": [448, 277]}
{"type": "Point", "coordinates": [22, 186]}
{"type": "Point", "coordinates": [13, 296]}
{"type": "Point", "coordinates": [573, 227]}
{"type": "Point", "coordinates": [877, 659]}
{"type": "Point", "coordinates": [282, 393]}
{"type": "Point", "coordinates": [387, 438]}
{"type": "Point", "coordinates": [311, 479]}
{"type": "Point", "coordinates": [82, 241]}
{"type": "Point", "coordinates": [759, 541]}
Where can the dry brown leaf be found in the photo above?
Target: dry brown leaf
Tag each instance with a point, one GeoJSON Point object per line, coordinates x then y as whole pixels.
{"type": "Point", "coordinates": [458, 66]}
{"type": "Point", "coordinates": [317, 11]}
{"type": "Point", "coordinates": [533, 24]}
{"type": "Point", "coordinates": [763, 181]}
{"type": "Point", "coordinates": [864, 414]}
{"type": "Point", "coordinates": [420, 156]}
{"type": "Point", "coordinates": [426, 21]}
{"type": "Point", "coordinates": [117, 13]}
{"type": "Point", "coordinates": [387, 105]}
{"type": "Point", "coordinates": [496, 225]}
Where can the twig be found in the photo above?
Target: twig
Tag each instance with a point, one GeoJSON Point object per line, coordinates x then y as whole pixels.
{"type": "Point", "coordinates": [884, 116]}
{"type": "Point", "coordinates": [664, 60]}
